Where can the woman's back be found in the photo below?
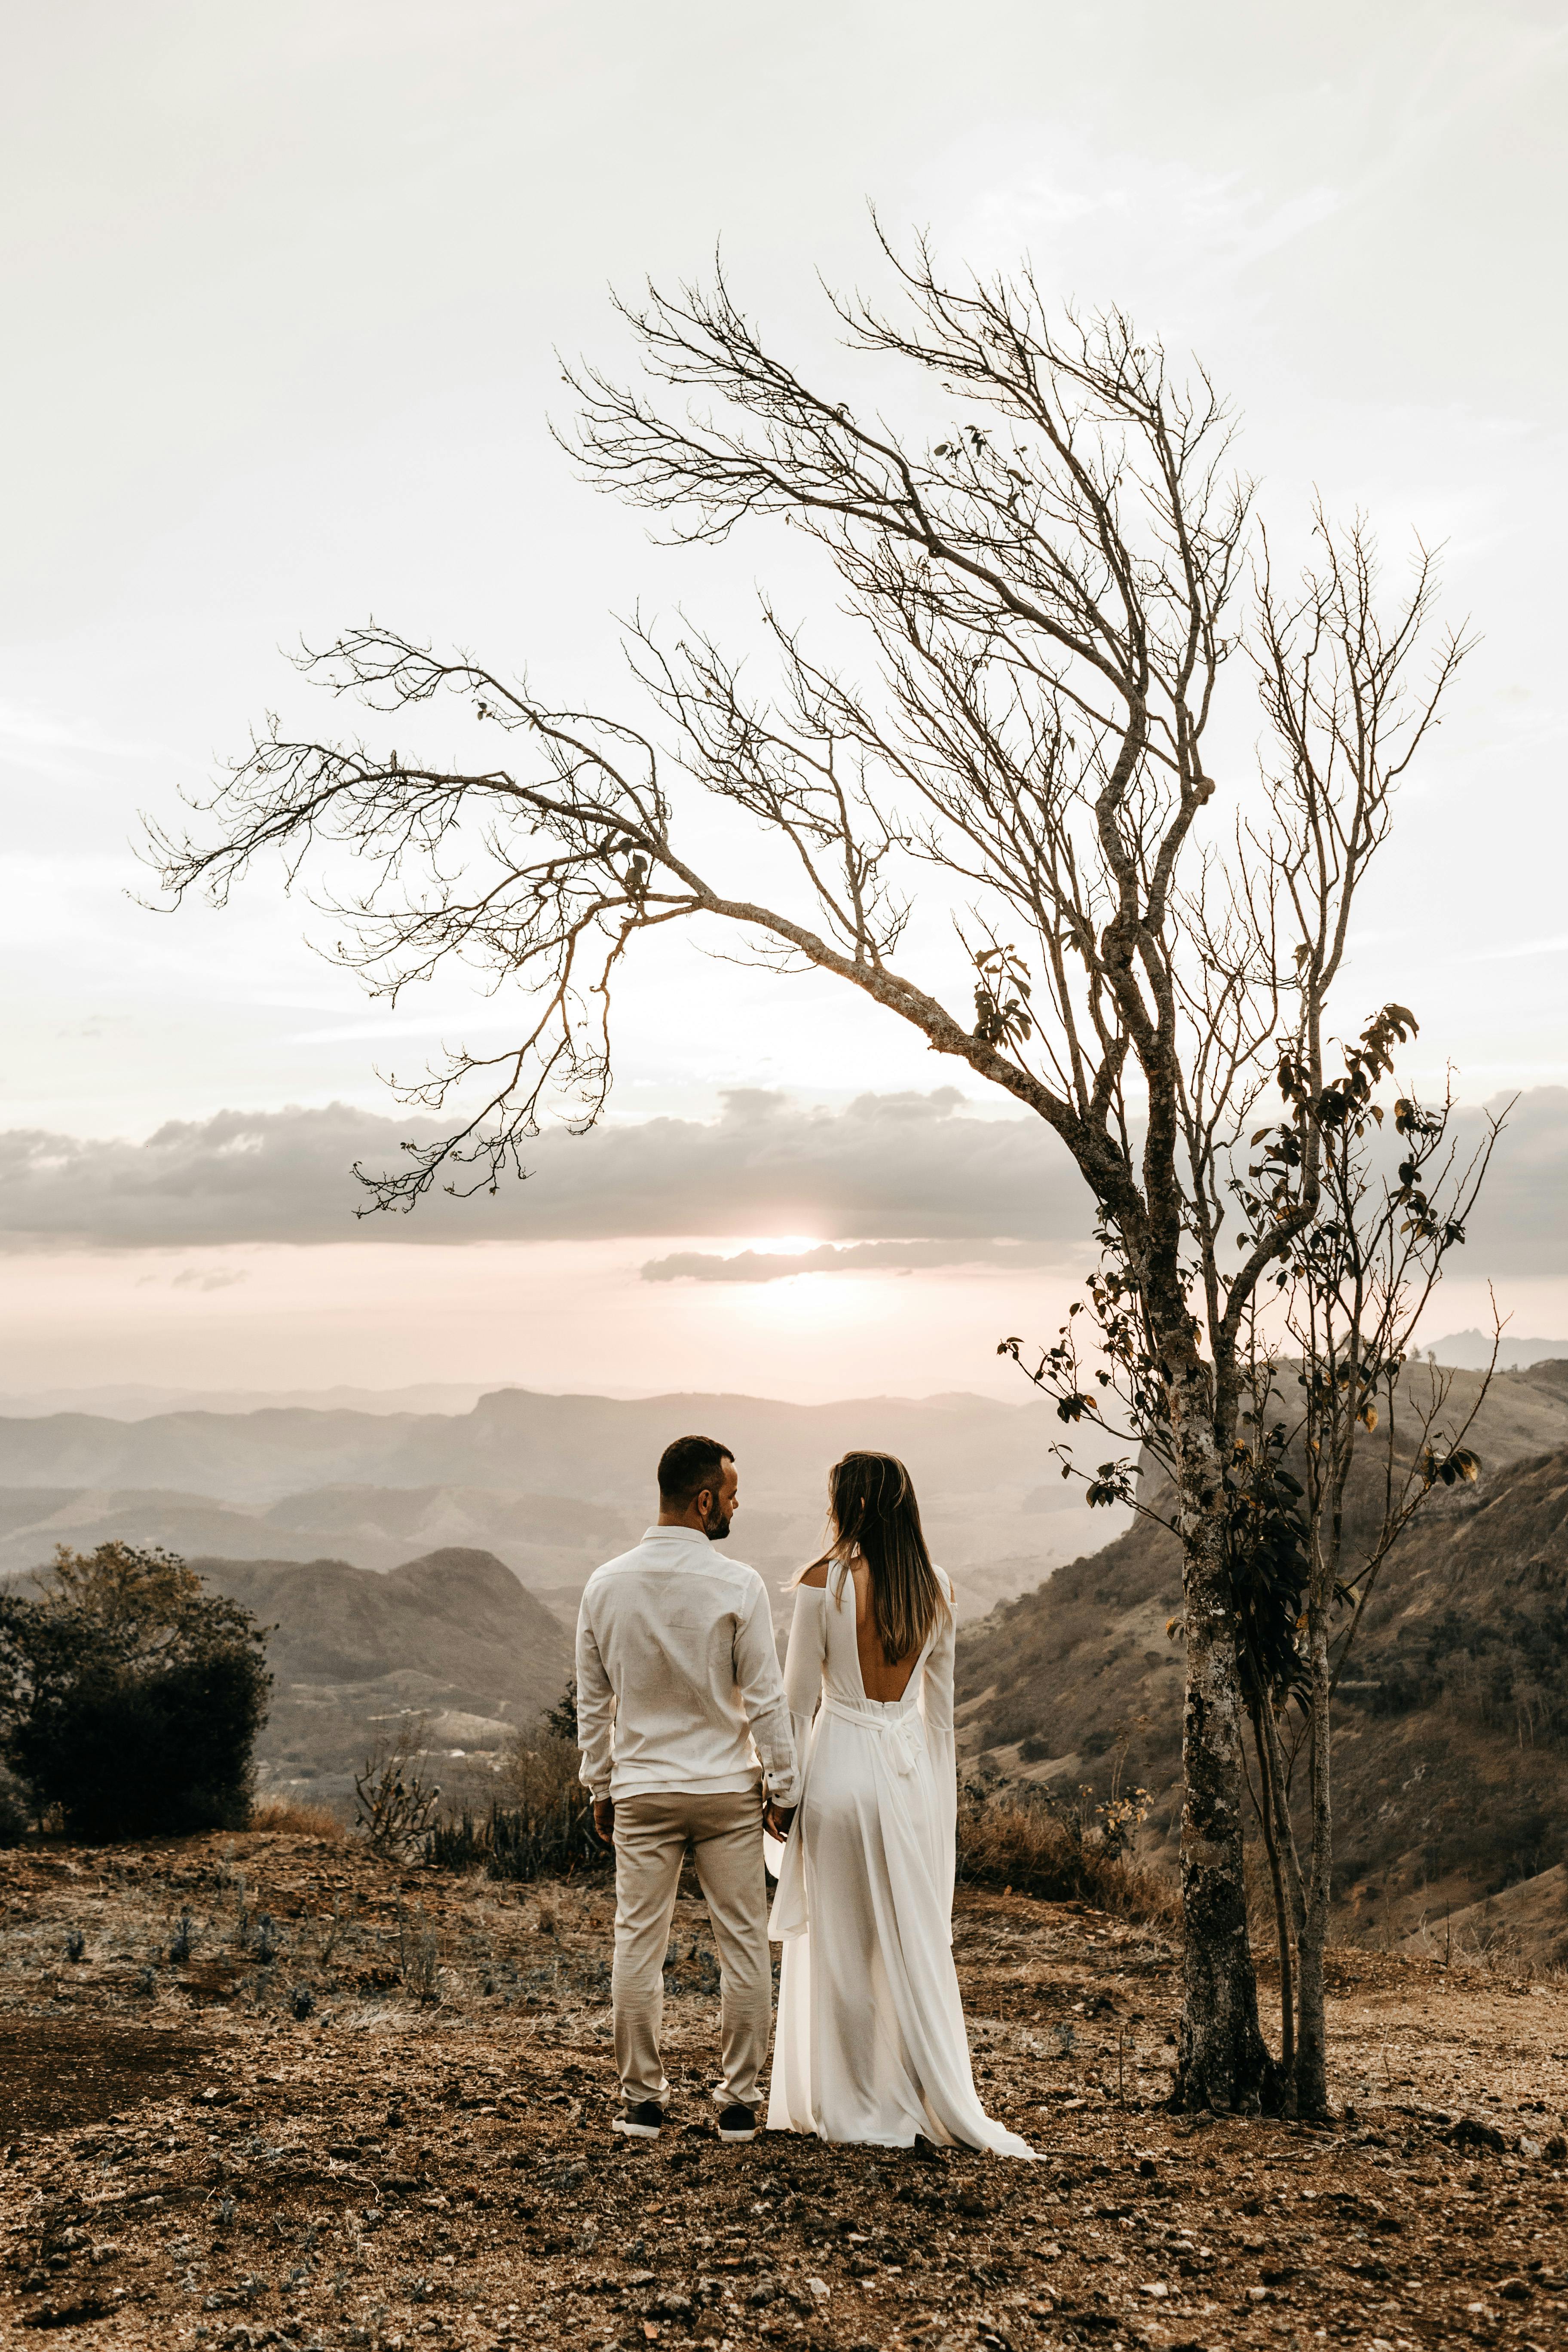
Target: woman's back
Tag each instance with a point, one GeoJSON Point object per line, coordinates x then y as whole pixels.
{"type": "Point", "coordinates": [880, 1680]}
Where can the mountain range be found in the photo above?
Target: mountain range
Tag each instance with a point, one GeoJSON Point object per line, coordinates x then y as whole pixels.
{"type": "Point", "coordinates": [430, 1565]}
{"type": "Point", "coordinates": [552, 1485]}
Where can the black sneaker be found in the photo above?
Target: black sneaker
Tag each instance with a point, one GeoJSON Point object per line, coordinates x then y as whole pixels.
{"type": "Point", "coordinates": [737, 2124]}
{"type": "Point", "coordinates": [641, 2122]}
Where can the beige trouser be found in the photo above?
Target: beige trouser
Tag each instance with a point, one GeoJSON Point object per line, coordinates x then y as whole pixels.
{"type": "Point", "coordinates": [651, 1833]}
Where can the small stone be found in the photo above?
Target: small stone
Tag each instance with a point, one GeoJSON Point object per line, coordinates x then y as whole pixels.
{"type": "Point", "coordinates": [1515, 2290]}
{"type": "Point", "coordinates": [819, 2289]}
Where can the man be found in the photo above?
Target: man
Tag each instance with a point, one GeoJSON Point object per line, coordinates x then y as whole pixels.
{"type": "Point", "coordinates": [681, 1716]}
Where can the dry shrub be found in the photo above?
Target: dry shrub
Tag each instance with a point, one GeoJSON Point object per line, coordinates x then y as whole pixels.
{"type": "Point", "coordinates": [540, 1825]}
{"type": "Point", "coordinates": [539, 1775]}
{"type": "Point", "coordinates": [1019, 1837]}
{"type": "Point", "coordinates": [290, 1819]}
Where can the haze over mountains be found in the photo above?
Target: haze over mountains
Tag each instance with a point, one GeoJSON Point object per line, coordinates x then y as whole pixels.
{"type": "Point", "coordinates": [430, 1563]}
{"type": "Point", "coordinates": [551, 1484]}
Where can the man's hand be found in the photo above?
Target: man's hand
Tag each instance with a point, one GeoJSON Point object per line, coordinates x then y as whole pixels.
{"type": "Point", "coordinates": [605, 1820]}
{"type": "Point", "coordinates": [776, 1818]}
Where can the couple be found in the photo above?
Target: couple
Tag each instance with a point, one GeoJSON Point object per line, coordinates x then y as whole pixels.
{"type": "Point", "coordinates": [684, 1722]}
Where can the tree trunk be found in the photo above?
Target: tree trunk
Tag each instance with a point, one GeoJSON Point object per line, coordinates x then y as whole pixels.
{"type": "Point", "coordinates": [1312, 2038]}
{"type": "Point", "coordinates": [1295, 1889]}
{"type": "Point", "coordinates": [1267, 1815]}
{"type": "Point", "coordinates": [1223, 2062]}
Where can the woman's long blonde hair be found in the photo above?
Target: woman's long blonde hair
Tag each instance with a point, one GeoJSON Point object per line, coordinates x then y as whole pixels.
{"type": "Point", "coordinates": [872, 1510]}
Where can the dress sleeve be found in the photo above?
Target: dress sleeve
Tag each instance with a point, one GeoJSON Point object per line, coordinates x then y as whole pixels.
{"type": "Point", "coordinates": [763, 1696]}
{"type": "Point", "coordinates": [803, 1662]}
{"type": "Point", "coordinates": [936, 1711]}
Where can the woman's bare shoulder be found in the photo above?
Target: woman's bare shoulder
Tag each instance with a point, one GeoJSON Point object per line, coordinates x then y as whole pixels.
{"type": "Point", "coordinates": [815, 1579]}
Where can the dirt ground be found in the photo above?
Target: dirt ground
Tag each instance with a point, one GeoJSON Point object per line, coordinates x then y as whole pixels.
{"type": "Point", "coordinates": [283, 2094]}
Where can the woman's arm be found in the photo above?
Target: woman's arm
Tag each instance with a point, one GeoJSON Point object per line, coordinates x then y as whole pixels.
{"type": "Point", "coordinates": [936, 1708]}
{"type": "Point", "coordinates": [804, 1663]}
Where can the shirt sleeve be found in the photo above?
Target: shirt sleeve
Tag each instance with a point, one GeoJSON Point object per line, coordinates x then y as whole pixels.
{"type": "Point", "coordinates": [595, 1708]}
{"type": "Point", "coordinates": [936, 1710]}
{"type": "Point", "coordinates": [762, 1690]}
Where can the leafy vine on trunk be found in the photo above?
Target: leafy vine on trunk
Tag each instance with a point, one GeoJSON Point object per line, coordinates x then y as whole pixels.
{"type": "Point", "coordinates": [1052, 591]}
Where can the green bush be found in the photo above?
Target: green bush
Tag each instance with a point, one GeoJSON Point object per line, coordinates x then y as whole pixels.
{"type": "Point", "coordinates": [130, 1697]}
{"type": "Point", "coordinates": [14, 1815]}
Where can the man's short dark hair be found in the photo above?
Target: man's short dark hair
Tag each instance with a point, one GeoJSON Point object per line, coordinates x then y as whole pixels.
{"type": "Point", "coordinates": [690, 1465]}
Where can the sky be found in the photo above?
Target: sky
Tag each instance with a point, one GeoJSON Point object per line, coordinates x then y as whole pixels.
{"type": "Point", "coordinates": [286, 290]}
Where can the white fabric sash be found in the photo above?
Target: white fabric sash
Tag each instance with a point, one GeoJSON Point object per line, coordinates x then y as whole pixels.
{"type": "Point", "coordinates": [902, 1730]}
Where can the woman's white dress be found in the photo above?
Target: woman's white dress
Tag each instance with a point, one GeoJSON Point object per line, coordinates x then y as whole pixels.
{"type": "Point", "coordinates": [870, 2043]}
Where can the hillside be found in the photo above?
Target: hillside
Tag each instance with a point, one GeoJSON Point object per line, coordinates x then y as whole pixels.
{"type": "Point", "coordinates": [548, 1541]}
{"type": "Point", "coordinates": [453, 1637]}
{"type": "Point", "coordinates": [1451, 1746]}
{"type": "Point", "coordinates": [552, 1485]}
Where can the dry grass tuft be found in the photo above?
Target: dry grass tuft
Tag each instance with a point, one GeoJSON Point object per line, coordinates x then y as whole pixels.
{"type": "Point", "coordinates": [539, 1824]}
{"type": "Point", "coordinates": [1008, 1838]}
{"type": "Point", "coordinates": [294, 1820]}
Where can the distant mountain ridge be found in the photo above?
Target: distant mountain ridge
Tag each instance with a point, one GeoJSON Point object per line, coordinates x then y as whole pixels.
{"type": "Point", "coordinates": [607, 1444]}
{"type": "Point", "coordinates": [1471, 1351]}
{"type": "Point", "coordinates": [136, 1400]}
{"type": "Point", "coordinates": [550, 1484]}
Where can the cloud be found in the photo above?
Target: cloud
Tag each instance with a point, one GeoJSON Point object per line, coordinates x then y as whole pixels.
{"type": "Point", "coordinates": [852, 1257]}
{"type": "Point", "coordinates": [886, 1168]}
{"type": "Point", "coordinates": [906, 1172]}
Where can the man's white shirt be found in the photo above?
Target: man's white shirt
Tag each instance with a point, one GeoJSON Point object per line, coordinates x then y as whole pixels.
{"type": "Point", "coordinates": [678, 1674]}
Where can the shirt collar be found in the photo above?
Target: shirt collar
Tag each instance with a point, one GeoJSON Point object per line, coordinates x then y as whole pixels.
{"type": "Point", "coordinates": [674, 1535]}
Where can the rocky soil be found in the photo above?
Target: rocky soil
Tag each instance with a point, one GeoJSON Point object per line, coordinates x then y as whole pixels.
{"type": "Point", "coordinates": [283, 2094]}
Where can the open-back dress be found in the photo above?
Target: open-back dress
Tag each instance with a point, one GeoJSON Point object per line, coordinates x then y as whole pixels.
{"type": "Point", "coordinates": [870, 2043]}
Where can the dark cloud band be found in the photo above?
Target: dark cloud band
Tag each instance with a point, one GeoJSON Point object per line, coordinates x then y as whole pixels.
{"type": "Point", "coordinates": [887, 1167]}
{"type": "Point", "coordinates": [910, 1179]}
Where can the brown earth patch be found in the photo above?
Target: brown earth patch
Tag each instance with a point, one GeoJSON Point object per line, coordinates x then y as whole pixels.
{"type": "Point", "coordinates": [57, 2074]}
{"type": "Point", "coordinates": [427, 2162]}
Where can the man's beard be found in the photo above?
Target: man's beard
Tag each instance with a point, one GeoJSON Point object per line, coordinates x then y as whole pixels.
{"type": "Point", "coordinates": [716, 1526]}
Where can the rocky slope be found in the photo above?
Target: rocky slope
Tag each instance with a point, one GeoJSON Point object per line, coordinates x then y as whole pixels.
{"type": "Point", "coordinates": [1451, 1744]}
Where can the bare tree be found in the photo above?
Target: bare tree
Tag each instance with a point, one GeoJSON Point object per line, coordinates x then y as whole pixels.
{"type": "Point", "coordinates": [1052, 592]}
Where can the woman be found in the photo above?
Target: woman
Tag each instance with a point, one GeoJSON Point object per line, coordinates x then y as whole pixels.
{"type": "Point", "coordinates": [870, 2043]}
